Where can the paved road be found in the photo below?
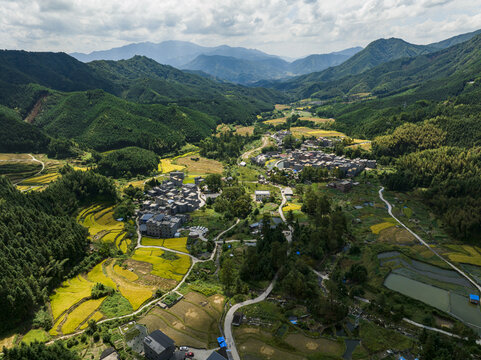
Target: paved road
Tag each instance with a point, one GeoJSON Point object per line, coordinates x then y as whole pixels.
{"type": "Point", "coordinates": [462, 273]}
{"type": "Point", "coordinates": [229, 337]}
{"type": "Point", "coordinates": [36, 174]}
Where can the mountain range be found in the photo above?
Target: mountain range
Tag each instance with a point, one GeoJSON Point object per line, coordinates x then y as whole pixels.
{"type": "Point", "coordinates": [234, 64]}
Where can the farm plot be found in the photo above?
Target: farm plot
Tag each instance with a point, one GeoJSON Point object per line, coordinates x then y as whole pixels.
{"type": "Point", "coordinates": [166, 166]}
{"type": "Point", "coordinates": [198, 165]}
{"type": "Point", "coordinates": [162, 267]}
{"type": "Point", "coordinates": [291, 207]}
{"type": "Point", "coordinates": [103, 227]}
{"type": "Point", "coordinates": [33, 335]}
{"type": "Point", "coordinates": [299, 131]}
{"type": "Point", "coordinates": [465, 254]}
{"type": "Point", "coordinates": [193, 321]}
{"type": "Point", "coordinates": [80, 314]}
{"type": "Point", "coordinates": [308, 345]}
{"type": "Point", "coordinates": [178, 244]}
{"type": "Point", "coordinates": [70, 293]}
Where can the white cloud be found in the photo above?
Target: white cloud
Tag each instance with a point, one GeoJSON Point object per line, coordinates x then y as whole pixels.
{"type": "Point", "coordinates": [287, 27]}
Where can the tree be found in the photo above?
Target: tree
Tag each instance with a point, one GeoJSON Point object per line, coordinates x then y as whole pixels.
{"type": "Point", "coordinates": [213, 182]}
{"type": "Point", "coordinates": [228, 274]}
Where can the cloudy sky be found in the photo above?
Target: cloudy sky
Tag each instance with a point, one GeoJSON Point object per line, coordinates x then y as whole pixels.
{"type": "Point", "coordinates": [285, 27]}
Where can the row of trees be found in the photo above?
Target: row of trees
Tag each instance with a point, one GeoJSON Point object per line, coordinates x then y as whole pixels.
{"type": "Point", "coordinates": [227, 146]}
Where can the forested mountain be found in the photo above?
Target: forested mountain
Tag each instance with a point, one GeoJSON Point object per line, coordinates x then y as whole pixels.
{"type": "Point", "coordinates": [18, 136]}
{"type": "Point", "coordinates": [102, 121]}
{"type": "Point", "coordinates": [376, 54]}
{"type": "Point", "coordinates": [248, 71]}
{"type": "Point", "coordinates": [39, 86]}
{"type": "Point", "coordinates": [146, 81]}
{"type": "Point", "coordinates": [39, 243]}
{"type": "Point", "coordinates": [437, 75]}
{"type": "Point", "coordinates": [235, 64]}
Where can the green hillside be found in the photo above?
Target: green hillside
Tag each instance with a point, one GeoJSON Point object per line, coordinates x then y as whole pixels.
{"type": "Point", "coordinates": [102, 121]}
{"type": "Point", "coordinates": [146, 81]}
{"type": "Point", "coordinates": [17, 136]}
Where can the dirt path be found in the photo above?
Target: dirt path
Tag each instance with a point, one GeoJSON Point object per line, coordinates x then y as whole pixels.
{"type": "Point", "coordinates": [462, 273]}
{"type": "Point", "coordinates": [247, 154]}
{"type": "Point", "coordinates": [36, 174]}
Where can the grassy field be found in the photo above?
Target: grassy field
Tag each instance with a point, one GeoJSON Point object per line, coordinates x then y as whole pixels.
{"type": "Point", "coordinates": [39, 335]}
{"type": "Point", "coordinates": [168, 269]}
{"type": "Point", "coordinates": [306, 345]}
{"type": "Point", "coordinates": [244, 130]}
{"type": "Point", "coordinates": [198, 165]}
{"type": "Point", "coordinates": [178, 244]}
{"type": "Point", "coordinates": [376, 339]}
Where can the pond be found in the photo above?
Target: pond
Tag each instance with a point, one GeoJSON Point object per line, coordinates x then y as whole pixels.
{"type": "Point", "coordinates": [447, 301]}
{"type": "Point", "coordinates": [350, 347]}
{"type": "Point", "coordinates": [428, 294]}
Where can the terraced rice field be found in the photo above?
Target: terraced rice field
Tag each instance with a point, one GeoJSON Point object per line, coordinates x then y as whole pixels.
{"type": "Point", "coordinates": [103, 227]}
{"type": "Point", "coordinates": [129, 275]}
{"type": "Point", "coordinates": [70, 293]}
{"type": "Point", "coordinates": [301, 130]}
{"type": "Point", "coordinates": [178, 244]}
{"type": "Point", "coordinates": [167, 269]}
{"type": "Point", "coordinates": [166, 166]}
{"type": "Point", "coordinates": [135, 293]}
{"type": "Point", "coordinates": [376, 229]}
{"type": "Point", "coordinates": [465, 254]}
{"type": "Point", "coordinates": [291, 207]}
{"type": "Point", "coordinates": [42, 179]}
{"type": "Point", "coordinates": [80, 314]}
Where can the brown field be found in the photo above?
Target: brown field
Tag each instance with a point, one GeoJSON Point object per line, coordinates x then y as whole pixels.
{"type": "Point", "coordinates": [281, 107]}
{"type": "Point", "coordinates": [200, 167]}
{"type": "Point", "coordinates": [258, 349]}
{"type": "Point", "coordinates": [308, 345]}
{"type": "Point", "coordinates": [193, 321]}
{"type": "Point", "coordinates": [8, 156]}
{"type": "Point", "coordinates": [244, 130]}
{"type": "Point", "coordinates": [8, 341]}
{"type": "Point", "coordinates": [278, 121]}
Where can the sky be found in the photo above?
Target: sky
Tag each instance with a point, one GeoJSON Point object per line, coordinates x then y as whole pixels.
{"type": "Point", "coordinates": [291, 28]}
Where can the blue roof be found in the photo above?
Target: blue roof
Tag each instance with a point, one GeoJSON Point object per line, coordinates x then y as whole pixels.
{"type": "Point", "coordinates": [220, 339]}
{"type": "Point", "coordinates": [222, 344]}
{"type": "Point", "coordinates": [294, 322]}
{"type": "Point", "coordinates": [146, 217]}
{"type": "Point", "coordinates": [298, 252]}
{"type": "Point", "coordinates": [474, 297]}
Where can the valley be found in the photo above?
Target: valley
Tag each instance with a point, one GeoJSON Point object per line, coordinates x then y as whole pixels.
{"type": "Point", "coordinates": [331, 215]}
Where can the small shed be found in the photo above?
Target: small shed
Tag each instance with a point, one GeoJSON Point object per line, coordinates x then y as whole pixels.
{"type": "Point", "coordinates": [474, 299]}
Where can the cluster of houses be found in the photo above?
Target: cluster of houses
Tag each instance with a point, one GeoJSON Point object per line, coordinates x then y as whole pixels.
{"type": "Point", "coordinates": [298, 159]}
{"type": "Point", "coordinates": [164, 213]}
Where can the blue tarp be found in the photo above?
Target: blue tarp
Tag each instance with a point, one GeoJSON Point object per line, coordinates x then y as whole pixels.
{"type": "Point", "coordinates": [473, 297]}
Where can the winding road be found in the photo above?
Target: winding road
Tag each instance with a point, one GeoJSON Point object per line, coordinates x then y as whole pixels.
{"type": "Point", "coordinates": [229, 337]}
{"type": "Point", "coordinates": [462, 273]}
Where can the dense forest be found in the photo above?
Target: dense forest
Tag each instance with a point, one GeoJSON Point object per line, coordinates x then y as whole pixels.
{"type": "Point", "coordinates": [40, 242]}
{"type": "Point", "coordinates": [17, 136]}
{"type": "Point", "coordinates": [226, 146]}
{"type": "Point", "coordinates": [103, 122]}
{"type": "Point", "coordinates": [37, 351]}
{"type": "Point", "coordinates": [128, 162]}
